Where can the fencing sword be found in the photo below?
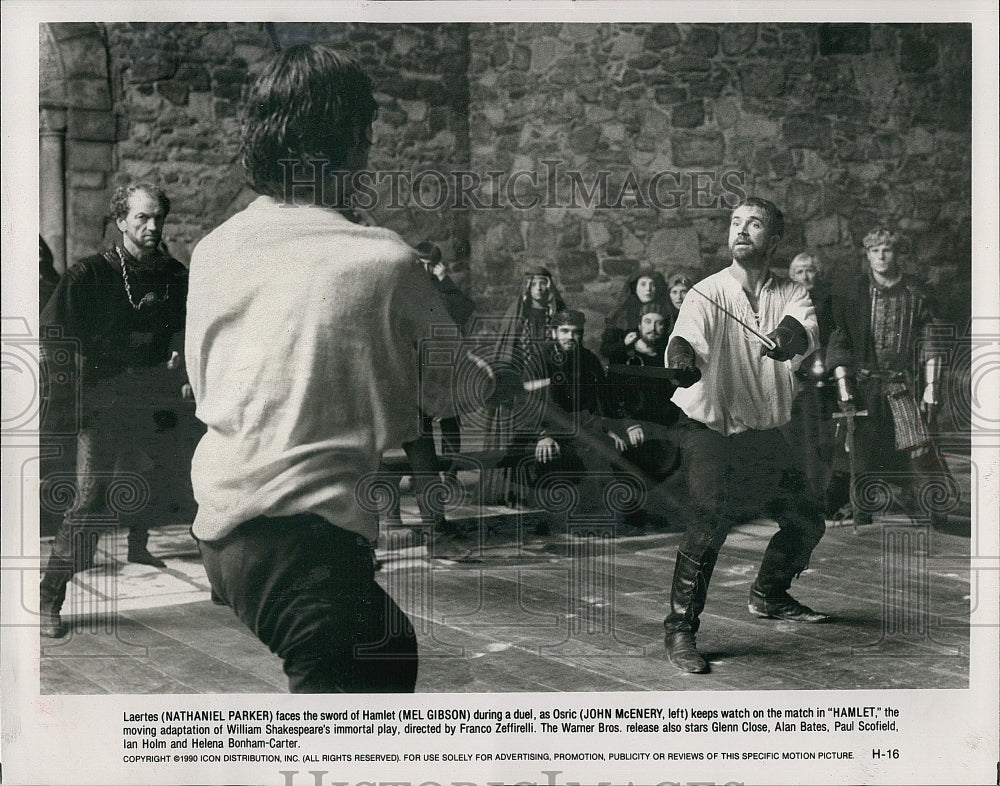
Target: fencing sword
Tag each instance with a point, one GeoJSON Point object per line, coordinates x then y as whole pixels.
{"type": "Point", "coordinates": [757, 334]}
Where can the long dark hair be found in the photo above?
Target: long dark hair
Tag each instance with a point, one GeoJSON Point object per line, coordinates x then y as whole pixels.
{"type": "Point", "coordinates": [311, 103]}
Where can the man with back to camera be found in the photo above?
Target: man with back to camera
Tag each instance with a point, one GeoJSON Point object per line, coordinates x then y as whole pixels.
{"type": "Point", "coordinates": [122, 307]}
{"type": "Point", "coordinates": [888, 362]}
{"type": "Point", "coordinates": [301, 333]}
{"type": "Point", "coordinates": [734, 455]}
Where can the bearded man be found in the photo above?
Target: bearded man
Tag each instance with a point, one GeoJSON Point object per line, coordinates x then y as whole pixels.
{"type": "Point", "coordinates": [745, 331]}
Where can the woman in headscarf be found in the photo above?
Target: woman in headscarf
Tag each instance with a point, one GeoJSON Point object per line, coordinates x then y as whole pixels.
{"type": "Point", "coordinates": [621, 328]}
{"type": "Point", "coordinates": [517, 355]}
{"type": "Point", "coordinates": [678, 285]}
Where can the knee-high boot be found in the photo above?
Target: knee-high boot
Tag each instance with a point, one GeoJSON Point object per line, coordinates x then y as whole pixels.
{"type": "Point", "coordinates": [784, 559]}
{"type": "Point", "coordinates": [687, 600]}
{"type": "Point", "coordinates": [72, 551]}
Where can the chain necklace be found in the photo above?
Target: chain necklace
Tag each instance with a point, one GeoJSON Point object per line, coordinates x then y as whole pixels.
{"type": "Point", "coordinates": [150, 298]}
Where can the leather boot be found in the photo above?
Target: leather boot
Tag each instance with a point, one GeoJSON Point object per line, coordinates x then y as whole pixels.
{"type": "Point", "coordinates": [687, 600]}
{"type": "Point", "coordinates": [137, 551]}
{"type": "Point", "coordinates": [51, 594]}
{"type": "Point", "coordinates": [429, 504]}
{"type": "Point", "coordinates": [769, 596]}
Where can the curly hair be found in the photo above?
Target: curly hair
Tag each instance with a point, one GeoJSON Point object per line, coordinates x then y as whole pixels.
{"type": "Point", "coordinates": [880, 237]}
{"type": "Point", "coordinates": [122, 195]}
{"type": "Point", "coordinates": [310, 103]}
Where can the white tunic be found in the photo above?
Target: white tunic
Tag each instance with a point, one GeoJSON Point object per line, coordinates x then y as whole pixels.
{"type": "Point", "coordinates": [300, 349]}
{"type": "Point", "coordinates": [739, 389]}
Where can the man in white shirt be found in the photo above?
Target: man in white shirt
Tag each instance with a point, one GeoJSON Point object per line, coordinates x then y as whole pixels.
{"type": "Point", "coordinates": [735, 457]}
{"type": "Point", "coordinates": [301, 338]}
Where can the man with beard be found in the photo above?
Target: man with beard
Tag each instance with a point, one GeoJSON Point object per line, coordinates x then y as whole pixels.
{"type": "Point", "coordinates": [121, 307]}
{"type": "Point", "coordinates": [648, 417]}
{"type": "Point", "coordinates": [734, 455]}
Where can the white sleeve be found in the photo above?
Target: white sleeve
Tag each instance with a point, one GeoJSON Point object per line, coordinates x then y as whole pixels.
{"type": "Point", "coordinates": [694, 323]}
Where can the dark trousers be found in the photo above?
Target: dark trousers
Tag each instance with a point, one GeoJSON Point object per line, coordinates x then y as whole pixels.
{"type": "Point", "coordinates": [734, 478]}
{"type": "Point", "coordinates": [307, 589]}
{"type": "Point", "coordinates": [451, 433]}
{"type": "Point", "coordinates": [106, 489]}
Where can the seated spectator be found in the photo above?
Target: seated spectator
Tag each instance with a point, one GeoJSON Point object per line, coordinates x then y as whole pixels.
{"type": "Point", "coordinates": [647, 286]}
{"type": "Point", "coordinates": [648, 417]}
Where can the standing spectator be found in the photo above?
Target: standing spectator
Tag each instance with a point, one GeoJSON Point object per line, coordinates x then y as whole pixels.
{"type": "Point", "coordinates": [647, 286]}
{"type": "Point", "coordinates": [884, 343]}
{"type": "Point", "coordinates": [121, 308]}
{"type": "Point", "coordinates": [811, 430]}
{"type": "Point", "coordinates": [301, 340]}
{"type": "Point", "coordinates": [460, 308]}
{"type": "Point", "coordinates": [421, 452]}
{"type": "Point", "coordinates": [736, 460]}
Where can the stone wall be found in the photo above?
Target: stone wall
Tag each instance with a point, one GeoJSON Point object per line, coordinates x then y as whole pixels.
{"type": "Point", "coordinates": [844, 126]}
{"type": "Point", "coordinates": [632, 140]}
{"type": "Point", "coordinates": [181, 88]}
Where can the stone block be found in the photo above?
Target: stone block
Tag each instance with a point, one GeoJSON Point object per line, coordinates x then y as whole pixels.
{"type": "Point", "coordinates": [688, 63]}
{"type": "Point", "coordinates": [762, 79]}
{"type": "Point", "coordinates": [803, 200]}
{"type": "Point", "coordinates": [152, 65]}
{"type": "Point", "coordinates": [701, 41]}
{"type": "Point", "coordinates": [521, 58]}
{"type": "Point", "coordinates": [655, 124]}
{"type": "Point", "coordinates": [91, 126]}
{"type": "Point", "coordinates": [173, 91]}
{"type": "Point", "coordinates": [585, 139]}
{"type": "Point", "coordinates": [919, 142]}
{"type": "Point", "coordinates": [542, 240]}
{"type": "Point", "coordinates": [885, 146]}
{"type": "Point", "coordinates": [806, 130]}
{"type": "Point", "coordinates": [823, 231]}
{"type": "Point", "coordinates": [597, 234]}
{"type": "Point", "coordinates": [215, 45]}
{"type": "Point", "coordinates": [917, 54]}
{"type": "Point", "coordinates": [698, 150]}
{"type": "Point", "coordinates": [847, 39]}
{"type": "Point", "coordinates": [660, 37]}
{"type": "Point", "coordinates": [623, 267]}
{"type": "Point", "coordinates": [673, 247]}
{"type": "Point", "coordinates": [545, 51]}
{"type": "Point", "coordinates": [670, 95]}
{"type": "Point", "coordinates": [88, 180]}
{"type": "Point", "coordinates": [644, 61]}
{"type": "Point", "coordinates": [737, 39]}
{"type": "Point", "coordinates": [82, 155]}
{"type": "Point", "coordinates": [195, 76]}
{"type": "Point", "coordinates": [577, 267]}
{"type": "Point", "coordinates": [90, 94]}
{"type": "Point", "coordinates": [688, 115]}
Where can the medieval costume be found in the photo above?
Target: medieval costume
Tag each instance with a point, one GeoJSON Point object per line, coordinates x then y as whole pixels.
{"type": "Point", "coordinates": [516, 352]}
{"type": "Point", "coordinates": [885, 341]}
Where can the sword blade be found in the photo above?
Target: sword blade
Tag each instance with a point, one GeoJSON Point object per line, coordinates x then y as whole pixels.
{"type": "Point", "coordinates": [760, 336]}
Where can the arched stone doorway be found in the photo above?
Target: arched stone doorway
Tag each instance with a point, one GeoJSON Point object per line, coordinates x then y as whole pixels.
{"type": "Point", "coordinates": [77, 132]}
